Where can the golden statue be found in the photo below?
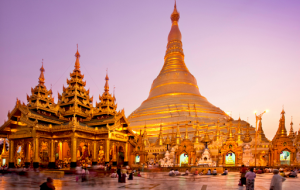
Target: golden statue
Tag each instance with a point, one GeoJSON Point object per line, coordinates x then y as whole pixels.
{"type": "Point", "coordinates": [101, 155]}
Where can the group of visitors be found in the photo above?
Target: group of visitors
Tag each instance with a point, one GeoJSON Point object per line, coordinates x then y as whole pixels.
{"type": "Point", "coordinates": [293, 173]}
{"type": "Point", "coordinates": [121, 174]}
{"type": "Point", "coordinates": [209, 172]}
{"type": "Point", "coordinates": [248, 177]}
{"type": "Point", "coordinates": [82, 173]}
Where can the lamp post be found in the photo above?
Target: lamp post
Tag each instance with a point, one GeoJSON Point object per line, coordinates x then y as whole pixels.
{"type": "Point", "coordinates": [257, 118]}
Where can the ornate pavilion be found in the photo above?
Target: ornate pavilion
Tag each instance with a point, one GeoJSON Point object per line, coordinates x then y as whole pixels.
{"type": "Point", "coordinates": [174, 126]}
{"type": "Point", "coordinates": [67, 133]}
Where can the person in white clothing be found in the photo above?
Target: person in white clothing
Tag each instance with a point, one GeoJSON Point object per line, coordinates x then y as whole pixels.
{"type": "Point", "coordinates": [276, 182]}
{"type": "Point", "coordinates": [172, 173]}
{"type": "Point", "coordinates": [177, 172]}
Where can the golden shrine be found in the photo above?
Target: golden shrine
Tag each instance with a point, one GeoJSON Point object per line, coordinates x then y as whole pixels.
{"type": "Point", "coordinates": [283, 150]}
{"type": "Point", "coordinates": [174, 127]}
{"type": "Point", "coordinates": [70, 132]}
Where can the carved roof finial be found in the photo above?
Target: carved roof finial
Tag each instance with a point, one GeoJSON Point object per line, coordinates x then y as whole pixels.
{"type": "Point", "coordinates": [106, 87]}
{"type": "Point", "coordinates": [42, 78]}
{"type": "Point", "coordinates": [77, 64]}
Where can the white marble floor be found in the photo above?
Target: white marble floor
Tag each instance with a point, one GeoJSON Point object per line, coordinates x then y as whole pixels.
{"type": "Point", "coordinates": [153, 181]}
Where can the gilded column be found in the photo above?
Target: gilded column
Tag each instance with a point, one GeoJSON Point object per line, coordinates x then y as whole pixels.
{"type": "Point", "coordinates": [11, 163]}
{"type": "Point", "coordinates": [107, 144]}
{"type": "Point", "coordinates": [73, 150]}
{"type": "Point", "coordinates": [94, 162]}
{"type": "Point", "coordinates": [36, 158]}
{"type": "Point", "coordinates": [27, 159]}
{"type": "Point", "coordinates": [114, 157]}
{"type": "Point", "coordinates": [126, 154]}
{"type": "Point", "coordinates": [52, 156]}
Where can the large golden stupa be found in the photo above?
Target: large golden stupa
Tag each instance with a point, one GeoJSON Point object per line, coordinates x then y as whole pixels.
{"type": "Point", "coordinates": [174, 96]}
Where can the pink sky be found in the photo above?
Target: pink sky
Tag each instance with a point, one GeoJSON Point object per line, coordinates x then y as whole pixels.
{"type": "Point", "coordinates": [244, 54]}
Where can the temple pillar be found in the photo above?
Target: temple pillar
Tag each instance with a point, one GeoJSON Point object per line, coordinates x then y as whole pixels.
{"type": "Point", "coordinates": [114, 157]}
{"type": "Point", "coordinates": [36, 158]}
{"type": "Point", "coordinates": [126, 154]}
{"type": "Point", "coordinates": [73, 151]}
{"type": "Point", "coordinates": [52, 156]}
{"type": "Point", "coordinates": [275, 157]}
{"type": "Point", "coordinates": [107, 144]}
{"type": "Point", "coordinates": [94, 161]}
{"type": "Point", "coordinates": [270, 158]}
{"type": "Point", "coordinates": [27, 156]}
{"type": "Point", "coordinates": [11, 163]}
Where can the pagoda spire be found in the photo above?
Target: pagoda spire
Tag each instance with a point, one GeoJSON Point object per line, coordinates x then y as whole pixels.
{"type": "Point", "coordinates": [106, 86]}
{"type": "Point", "coordinates": [186, 136]}
{"type": "Point", "coordinates": [230, 135]}
{"type": "Point", "coordinates": [75, 99]}
{"type": "Point", "coordinates": [175, 33]}
{"type": "Point", "coordinates": [218, 133]}
{"type": "Point", "coordinates": [174, 57]}
{"type": "Point", "coordinates": [167, 141]}
{"type": "Point", "coordinates": [260, 132]}
{"type": "Point", "coordinates": [77, 64]}
{"type": "Point", "coordinates": [42, 77]}
{"type": "Point", "coordinates": [282, 131]}
{"type": "Point", "coordinates": [178, 135]}
{"type": "Point", "coordinates": [160, 139]}
{"type": "Point", "coordinates": [145, 137]}
{"type": "Point", "coordinates": [292, 134]}
{"type": "Point", "coordinates": [197, 134]}
{"type": "Point", "coordinates": [145, 132]}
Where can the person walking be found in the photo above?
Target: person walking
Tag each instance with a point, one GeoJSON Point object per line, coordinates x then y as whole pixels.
{"type": "Point", "coordinates": [276, 182]}
{"type": "Point", "coordinates": [119, 175]}
{"type": "Point", "coordinates": [250, 176]}
{"type": "Point", "coordinates": [243, 172]}
{"type": "Point", "coordinates": [47, 185]}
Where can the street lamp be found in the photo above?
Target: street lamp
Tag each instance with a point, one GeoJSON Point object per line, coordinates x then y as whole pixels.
{"type": "Point", "coordinates": [257, 118]}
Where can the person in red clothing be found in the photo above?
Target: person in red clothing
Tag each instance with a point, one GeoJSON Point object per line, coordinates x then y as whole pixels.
{"type": "Point", "coordinates": [196, 172]}
{"type": "Point", "coordinates": [243, 172]}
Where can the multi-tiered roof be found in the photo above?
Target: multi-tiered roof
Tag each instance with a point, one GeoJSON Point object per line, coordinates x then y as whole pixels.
{"type": "Point", "coordinates": [74, 108]}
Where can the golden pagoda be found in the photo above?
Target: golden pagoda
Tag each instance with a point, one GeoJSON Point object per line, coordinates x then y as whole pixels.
{"type": "Point", "coordinates": [174, 95]}
{"type": "Point", "coordinates": [70, 132]}
{"type": "Point", "coordinates": [175, 102]}
{"type": "Point", "coordinates": [283, 151]}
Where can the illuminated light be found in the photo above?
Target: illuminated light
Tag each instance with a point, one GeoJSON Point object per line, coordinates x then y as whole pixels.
{"type": "Point", "coordinates": [228, 113]}
{"type": "Point", "coordinates": [255, 112]}
{"type": "Point", "coordinates": [267, 111]}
